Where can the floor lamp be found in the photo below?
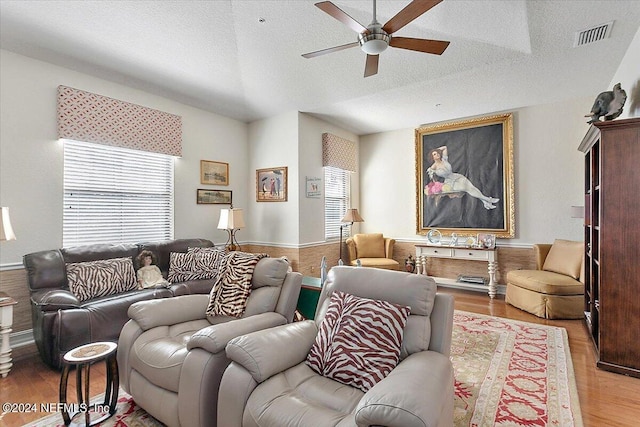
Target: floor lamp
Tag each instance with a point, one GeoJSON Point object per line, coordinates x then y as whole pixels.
{"type": "Point", "coordinates": [231, 220]}
{"type": "Point", "coordinates": [350, 216]}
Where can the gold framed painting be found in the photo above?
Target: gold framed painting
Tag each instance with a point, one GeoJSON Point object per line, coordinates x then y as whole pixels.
{"type": "Point", "coordinates": [271, 184]}
{"type": "Point", "coordinates": [465, 178]}
{"type": "Point", "coordinates": [214, 173]}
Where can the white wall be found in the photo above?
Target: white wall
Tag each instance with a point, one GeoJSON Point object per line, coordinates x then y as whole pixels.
{"type": "Point", "coordinates": [274, 143]}
{"type": "Point", "coordinates": [311, 210]}
{"type": "Point", "coordinates": [548, 176]}
{"type": "Point", "coordinates": [628, 75]}
{"type": "Point", "coordinates": [31, 162]}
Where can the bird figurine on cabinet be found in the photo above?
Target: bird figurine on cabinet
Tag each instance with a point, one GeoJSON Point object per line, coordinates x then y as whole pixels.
{"type": "Point", "coordinates": [608, 104]}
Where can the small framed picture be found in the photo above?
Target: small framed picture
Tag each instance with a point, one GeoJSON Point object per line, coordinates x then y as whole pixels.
{"type": "Point", "coordinates": [486, 240]}
{"type": "Point", "coordinates": [214, 197]}
{"type": "Point", "coordinates": [314, 187]}
{"type": "Point", "coordinates": [271, 184]}
{"type": "Point", "coordinates": [214, 173]}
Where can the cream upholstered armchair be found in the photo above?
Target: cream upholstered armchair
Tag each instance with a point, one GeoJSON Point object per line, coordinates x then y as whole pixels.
{"type": "Point", "coordinates": [171, 355]}
{"type": "Point", "coordinates": [266, 386]}
{"type": "Point", "coordinates": [555, 289]}
{"type": "Point", "coordinates": [373, 250]}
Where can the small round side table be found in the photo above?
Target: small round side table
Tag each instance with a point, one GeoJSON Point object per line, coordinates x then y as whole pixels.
{"type": "Point", "coordinates": [82, 358]}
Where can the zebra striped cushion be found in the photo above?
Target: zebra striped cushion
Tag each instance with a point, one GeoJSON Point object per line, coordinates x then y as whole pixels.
{"type": "Point", "coordinates": [229, 294]}
{"type": "Point", "coordinates": [195, 264]}
{"type": "Point", "coordinates": [88, 280]}
{"type": "Point", "coordinates": [358, 341]}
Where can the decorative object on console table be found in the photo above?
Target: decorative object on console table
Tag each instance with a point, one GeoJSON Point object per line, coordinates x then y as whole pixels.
{"type": "Point", "coordinates": [6, 321]}
{"type": "Point", "coordinates": [231, 220]}
{"type": "Point", "coordinates": [465, 177]}
{"type": "Point", "coordinates": [350, 216]}
{"type": "Point", "coordinates": [214, 173]}
{"type": "Point", "coordinates": [271, 184]}
{"type": "Point", "coordinates": [611, 236]}
{"type": "Point", "coordinates": [214, 197]}
{"type": "Point", "coordinates": [490, 256]}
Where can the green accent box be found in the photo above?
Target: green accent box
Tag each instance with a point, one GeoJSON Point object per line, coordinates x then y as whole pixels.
{"type": "Point", "coordinates": [309, 295]}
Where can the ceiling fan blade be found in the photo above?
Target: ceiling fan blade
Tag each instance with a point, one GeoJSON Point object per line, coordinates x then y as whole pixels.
{"type": "Point", "coordinates": [408, 14]}
{"type": "Point", "coordinates": [340, 15]}
{"type": "Point", "coordinates": [435, 47]}
{"type": "Point", "coordinates": [330, 50]}
{"type": "Point", "coordinates": [371, 67]}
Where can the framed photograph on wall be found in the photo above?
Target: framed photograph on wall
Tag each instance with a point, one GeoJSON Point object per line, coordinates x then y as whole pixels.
{"type": "Point", "coordinates": [214, 197]}
{"type": "Point", "coordinates": [271, 184]}
{"type": "Point", "coordinates": [464, 177]}
{"type": "Point", "coordinates": [313, 187]}
{"type": "Point", "coordinates": [214, 173]}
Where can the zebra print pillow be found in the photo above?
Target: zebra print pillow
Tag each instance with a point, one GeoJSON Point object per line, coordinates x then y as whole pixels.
{"type": "Point", "coordinates": [195, 264]}
{"type": "Point", "coordinates": [88, 280]}
{"type": "Point", "coordinates": [358, 341]}
{"type": "Point", "coordinates": [229, 294]}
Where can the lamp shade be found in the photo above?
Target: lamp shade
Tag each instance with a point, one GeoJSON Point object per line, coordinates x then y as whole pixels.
{"type": "Point", "coordinates": [352, 215]}
{"type": "Point", "coordinates": [6, 231]}
{"type": "Point", "coordinates": [230, 219]}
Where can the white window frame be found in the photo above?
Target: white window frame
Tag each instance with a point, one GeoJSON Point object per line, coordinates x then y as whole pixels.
{"type": "Point", "coordinates": [116, 195]}
{"type": "Point", "coordinates": [337, 195]}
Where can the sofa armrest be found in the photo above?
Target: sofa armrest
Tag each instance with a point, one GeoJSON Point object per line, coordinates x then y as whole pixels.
{"type": "Point", "coordinates": [214, 338]}
{"type": "Point", "coordinates": [442, 323]}
{"type": "Point", "coordinates": [261, 354]}
{"type": "Point", "coordinates": [413, 394]}
{"type": "Point", "coordinates": [168, 311]}
{"type": "Point", "coordinates": [54, 300]}
{"type": "Point", "coordinates": [388, 247]}
{"type": "Point", "coordinates": [541, 250]}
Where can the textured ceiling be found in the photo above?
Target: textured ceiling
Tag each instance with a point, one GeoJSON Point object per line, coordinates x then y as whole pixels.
{"type": "Point", "coordinates": [219, 56]}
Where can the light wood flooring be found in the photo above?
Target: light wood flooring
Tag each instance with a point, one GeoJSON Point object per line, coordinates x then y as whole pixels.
{"type": "Point", "coordinates": [606, 399]}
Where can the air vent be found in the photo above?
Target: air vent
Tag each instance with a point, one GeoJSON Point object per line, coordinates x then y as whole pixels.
{"type": "Point", "coordinates": [592, 35]}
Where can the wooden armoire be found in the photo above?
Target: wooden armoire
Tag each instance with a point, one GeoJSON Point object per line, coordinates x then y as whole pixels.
{"type": "Point", "coordinates": [612, 242]}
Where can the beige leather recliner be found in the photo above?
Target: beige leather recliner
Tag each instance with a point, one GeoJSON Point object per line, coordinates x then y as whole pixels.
{"type": "Point", "coordinates": [555, 289]}
{"type": "Point", "coordinates": [268, 383]}
{"type": "Point", "coordinates": [373, 250]}
{"type": "Point", "coordinates": [171, 356]}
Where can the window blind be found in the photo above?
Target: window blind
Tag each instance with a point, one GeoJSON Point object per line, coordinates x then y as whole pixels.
{"type": "Point", "coordinates": [116, 195]}
{"type": "Point", "coordinates": [336, 201]}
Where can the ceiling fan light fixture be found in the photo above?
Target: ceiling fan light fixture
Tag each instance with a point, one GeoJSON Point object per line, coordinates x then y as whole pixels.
{"type": "Point", "coordinates": [374, 43]}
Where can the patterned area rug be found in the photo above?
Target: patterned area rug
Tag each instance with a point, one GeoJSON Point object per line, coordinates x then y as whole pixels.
{"type": "Point", "coordinates": [508, 373]}
{"type": "Point", "coordinates": [511, 373]}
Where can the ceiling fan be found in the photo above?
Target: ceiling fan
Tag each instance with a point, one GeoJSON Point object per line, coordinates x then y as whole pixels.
{"type": "Point", "coordinates": [375, 38]}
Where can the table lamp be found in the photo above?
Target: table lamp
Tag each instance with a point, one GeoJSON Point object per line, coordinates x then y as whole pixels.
{"type": "Point", "coordinates": [350, 216]}
{"type": "Point", "coordinates": [231, 220]}
{"type": "Point", "coordinates": [6, 231]}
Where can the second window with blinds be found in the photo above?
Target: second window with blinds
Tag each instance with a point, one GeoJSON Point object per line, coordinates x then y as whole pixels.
{"type": "Point", "coordinates": [336, 201]}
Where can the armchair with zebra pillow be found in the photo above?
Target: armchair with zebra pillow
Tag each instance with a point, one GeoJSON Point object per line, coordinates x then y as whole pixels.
{"type": "Point", "coordinates": [377, 353]}
{"type": "Point", "coordinates": [171, 353]}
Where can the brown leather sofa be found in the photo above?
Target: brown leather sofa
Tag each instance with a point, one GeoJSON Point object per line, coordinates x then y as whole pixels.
{"type": "Point", "coordinates": [171, 355]}
{"type": "Point", "coordinates": [62, 322]}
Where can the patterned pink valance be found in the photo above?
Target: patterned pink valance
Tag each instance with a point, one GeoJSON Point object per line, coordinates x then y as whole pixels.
{"type": "Point", "coordinates": [85, 116]}
{"type": "Point", "coordinates": [339, 153]}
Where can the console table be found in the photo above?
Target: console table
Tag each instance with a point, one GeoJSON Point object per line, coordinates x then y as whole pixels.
{"type": "Point", "coordinates": [490, 256]}
{"type": "Point", "coordinates": [6, 320]}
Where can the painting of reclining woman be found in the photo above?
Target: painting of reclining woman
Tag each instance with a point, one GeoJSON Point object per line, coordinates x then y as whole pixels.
{"type": "Point", "coordinates": [465, 177]}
